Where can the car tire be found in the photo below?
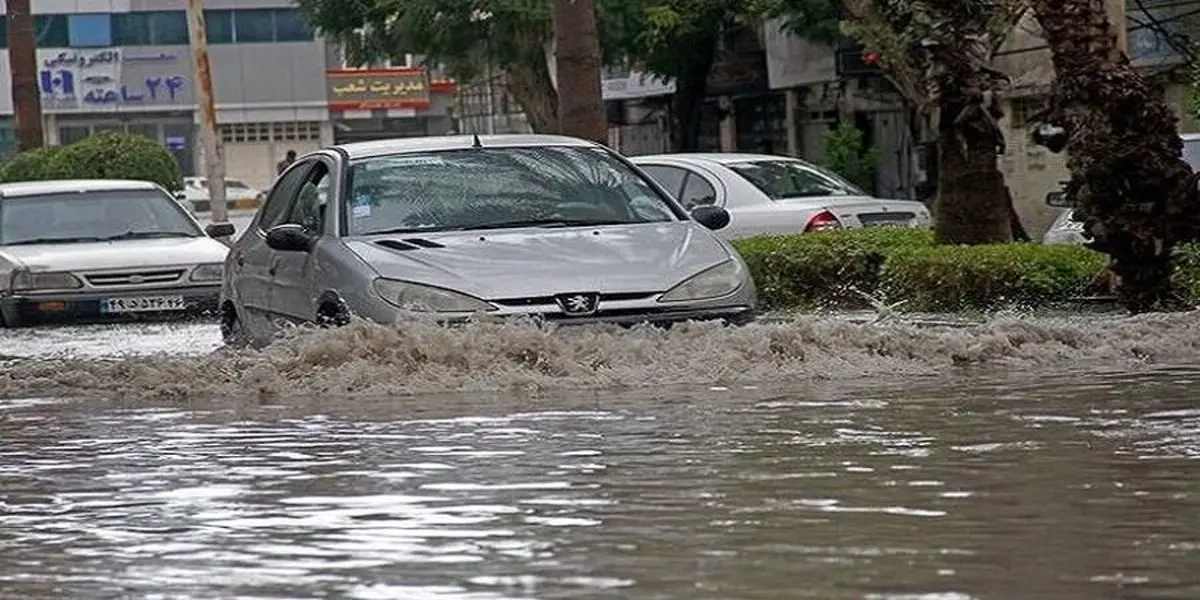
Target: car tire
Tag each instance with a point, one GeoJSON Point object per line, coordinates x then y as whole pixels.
{"type": "Point", "coordinates": [333, 315]}
{"type": "Point", "coordinates": [233, 330]}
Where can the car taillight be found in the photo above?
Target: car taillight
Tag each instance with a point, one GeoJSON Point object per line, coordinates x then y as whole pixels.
{"type": "Point", "coordinates": [823, 221]}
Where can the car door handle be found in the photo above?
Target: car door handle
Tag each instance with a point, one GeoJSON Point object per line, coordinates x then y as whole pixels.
{"type": "Point", "coordinates": [271, 271]}
{"type": "Point", "coordinates": [240, 259]}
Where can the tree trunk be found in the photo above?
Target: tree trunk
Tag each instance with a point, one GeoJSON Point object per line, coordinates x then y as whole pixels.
{"type": "Point", "coordinates": [972, 203]}
{"type": "Point", "coordinates": [1138, 198]}
{"type": "Point", "coordinates": [691, 89]}
{"type": "Point", "coordinates": [577, 64]}
{"type": "Point", "coordinates": [532, 88]}
{"type": "Point", "coordinates": [22, 64]}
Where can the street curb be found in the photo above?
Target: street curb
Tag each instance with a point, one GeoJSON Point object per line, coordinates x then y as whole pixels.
{"type": "Point", "coordinates": [200, 206]}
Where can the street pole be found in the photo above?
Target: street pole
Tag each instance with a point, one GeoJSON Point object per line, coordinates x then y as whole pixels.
{"type": "Point", "coordinates": [22, 64]}
{"type": "Point", "coordinates": [214, 160]}
{"type": "Point", "coordinates": [1119, 21]}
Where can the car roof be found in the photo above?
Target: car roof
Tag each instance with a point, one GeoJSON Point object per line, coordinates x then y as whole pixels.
{"type": "Point", "coordinates": [455, 142]}
{"type": "Point", "coordinates": [66, 186]}
{"type": "Point", "coordinates": [724, 158]}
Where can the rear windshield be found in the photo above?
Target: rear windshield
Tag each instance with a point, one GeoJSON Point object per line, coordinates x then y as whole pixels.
{"type": "Point", "coordinates": [785, 179]}
{"type": "Point", "coordinates": [92, 216]}
{"type": "Point", "coordinates": [499, 187]}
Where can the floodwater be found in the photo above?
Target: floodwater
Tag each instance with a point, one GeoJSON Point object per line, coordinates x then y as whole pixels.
{"type": "Point", "coordinates": [817, 458]}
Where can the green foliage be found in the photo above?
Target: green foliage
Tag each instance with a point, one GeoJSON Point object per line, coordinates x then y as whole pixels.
{"type": "Point", "coordinates": [28, 166]}
{"type": "Point", "coordinates": [110, 155]}
{"type": "Point", "coordinates": [815, 20]}
{"type": "Point", "coordinates": [856, 268]}
{"type": "Point", "coordinates": [847, 154]}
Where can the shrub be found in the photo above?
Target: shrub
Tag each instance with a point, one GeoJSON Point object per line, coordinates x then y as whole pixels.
{"type": "Point", "coordinates": [847, 154]}
{"type": "Point", "coordinates": [854, 268]}
{"type": "Point", "coordinates": [111, 155]}
{"type": "Point", "coordinates": [28, 166]}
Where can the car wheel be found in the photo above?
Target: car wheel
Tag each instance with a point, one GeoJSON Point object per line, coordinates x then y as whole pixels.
{"type": "Point", "coordinates": [233, 331]}
{"type": "Point", "coordinates": [332, 315]}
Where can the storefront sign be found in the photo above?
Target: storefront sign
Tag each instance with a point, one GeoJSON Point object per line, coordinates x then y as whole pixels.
{"type": "Point", "coordinates": [636, 85]}
{"type": "Point", "coordinates": [363, 89]}
{"type": "Point", "coordinates": [108, 79]}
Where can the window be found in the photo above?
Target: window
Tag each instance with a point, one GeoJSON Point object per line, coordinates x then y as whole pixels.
{"type": "Point", "coordinates": [72, 217]}
{"type": "Point", "coordinates": [251, 26]}
{"type": "Point", "coordinates": [670, 178]}
{"type": "Point", "coordinates": [3, 31]}
{"type": "Point", "coordinates": [784, 179]}
{"type": "Point", "coordinates": [697, 192]}
{"type": "Point", "coordinates": [70, 135]}
{"type": "Point", "coordinates": [51, 31]}
{"type": "Point", "coordinates": [290, 26]}
{"type": "Point", "coordinates": [150, 28]}
{"type": "Point", "coordinates": [309, 209]}
{"type": "Point", "coordinates": [91, 30]}
{"type": "Point", "coordinates": [279, 201]}
{"type": "Point", "coordinates": [495, 188]}
{"type": "Point", "coordinates": [218, 26]}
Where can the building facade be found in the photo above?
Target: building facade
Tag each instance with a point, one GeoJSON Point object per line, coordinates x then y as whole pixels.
{"type": "Point", "coordinates": [125, 65]}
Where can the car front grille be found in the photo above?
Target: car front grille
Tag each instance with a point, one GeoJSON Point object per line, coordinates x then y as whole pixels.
{"type": "Point", "coordinates": [883, 219]}
{"type": "Point", "coordinates": [134, 278]}
{"type": "Point", "coordinates": [550, 301]}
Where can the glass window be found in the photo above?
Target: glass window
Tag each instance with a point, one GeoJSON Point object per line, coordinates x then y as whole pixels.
{"type": "Point", "coordinates": [149, 131]}
{"type": "Point", "coordinates": [290, 26]}
{"type": "Point", "coordinates": [131, 29]}
{"type": "Point", "coordinates": [218, 26]}
{"type": "Point", "coordinates": [495, 188]}
{"type": "Point", "coordinates": [1191, 154]}
{"type": "Point", "coordinates": [670, 178]}
{"type": "Point", "coordinates": [51, 31]}
{"type": "Point", "coordinates": [256, 25]}
{"type": "Point", "coordinates": [90, 216]}
{"type": "Point", "coordinates": [279, 201]}
{"type": "Point", "coordinates": [309, 209]}
{"type": "Point", "coordinates": [783, 179]}
{"type": "Point", "coordinates": [69, 135]}
{"type": "Point", "coordinates": [91, 30]}
{"type": "Point", "coordinates": [696, 192]}
{"type": "Point", "coordinates": [3, 31]}
{"type": "Point", "coordinates": [168, 28]}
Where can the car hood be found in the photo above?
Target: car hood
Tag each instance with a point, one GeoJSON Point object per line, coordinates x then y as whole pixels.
{"type": "Point", "coordinates": [116, 255]}
{"type": "Point", "coordinates": [520, 263]}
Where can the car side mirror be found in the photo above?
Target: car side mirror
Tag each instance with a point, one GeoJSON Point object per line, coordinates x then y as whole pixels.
{"type": "Point", "coordinates": [710, 216]}
{"type": "Point", "coordinates": [220, 230]}
{"type": "Point", "coordinates": [290, 238]}
{"type": "Point", "coordinates": [1058, 199]}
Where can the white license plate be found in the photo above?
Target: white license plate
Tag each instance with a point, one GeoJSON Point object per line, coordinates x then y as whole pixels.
{"type": "Point", "coordinates": [142, 304]}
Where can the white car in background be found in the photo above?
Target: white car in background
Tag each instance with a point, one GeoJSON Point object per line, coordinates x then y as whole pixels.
{"type": "Point", "coordinates": [195, 192]}
{"type": "Point", "coordinates": [775, 195]}
{"type": "Point", "coordinates": [82, 249]}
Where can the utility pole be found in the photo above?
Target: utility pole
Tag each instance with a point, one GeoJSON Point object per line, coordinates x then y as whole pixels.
{"type": "Point", "coordinates": [22, 65]}
{"type": "Point", "coordinates": [214, 155]}
{"type": "Point", "coordinates": [1119, 21]}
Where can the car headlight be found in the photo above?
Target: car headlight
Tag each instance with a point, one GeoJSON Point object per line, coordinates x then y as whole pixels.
{"type": "Point", "coordinates": [209, 272]}
{"type": "Point", "coordinates": [714, 282]}
{"type": "Point", "coordinates": [28, 281]}
{"type": "Point", "coordinates": [424, 298]}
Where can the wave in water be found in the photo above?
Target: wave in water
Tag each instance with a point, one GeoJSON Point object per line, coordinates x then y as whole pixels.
{"type": "Point", "coordinates": [363, 358]}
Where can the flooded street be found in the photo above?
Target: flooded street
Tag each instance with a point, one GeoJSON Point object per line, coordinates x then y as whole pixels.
{"type": "Point", "coordinates": [810, 459]}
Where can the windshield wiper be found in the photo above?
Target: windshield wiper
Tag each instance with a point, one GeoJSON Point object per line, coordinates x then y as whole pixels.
{"type": "Point", "coordinates": [143, 235]}
{"type": "Point", "coordinates": [547, 223]}
{"type": "Point", "coordinates": [57, 240]}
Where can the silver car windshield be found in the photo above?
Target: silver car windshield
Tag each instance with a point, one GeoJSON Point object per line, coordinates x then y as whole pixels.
{"type": "Point", "coordinates": [495, 188]}
{"type": "Point", "coordinates": [786, 179]}
{"type": "Point", "coordinates": [92, 216]}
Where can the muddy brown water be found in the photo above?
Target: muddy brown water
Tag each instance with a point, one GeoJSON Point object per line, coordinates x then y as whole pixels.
{"type": "Point", "coordinates": [1021, 458]}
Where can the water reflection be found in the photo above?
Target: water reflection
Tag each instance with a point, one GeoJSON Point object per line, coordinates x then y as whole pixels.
{"type": "Point", "coordinates": [1064, 487]}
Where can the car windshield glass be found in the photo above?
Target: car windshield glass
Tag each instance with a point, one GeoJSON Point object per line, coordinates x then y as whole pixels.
{"type": "Point", "coordinates": [99, 215]}
{"type": "Point", "coordinates": [496, 188]}
{"type": "Point", "coordinates": [233, 183]}
{"type": "Point", "coordinates": [785, 179]}
{"type": "Point", "coordinates": [1191, 153]}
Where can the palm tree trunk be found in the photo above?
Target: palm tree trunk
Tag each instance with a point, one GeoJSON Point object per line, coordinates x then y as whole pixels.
{"type": "Point", "coordinates": [22, 63]}
{"type": "Point", "coordinates": [577, 65]}
{"type": "Point", "coordinates": [1138, 197]}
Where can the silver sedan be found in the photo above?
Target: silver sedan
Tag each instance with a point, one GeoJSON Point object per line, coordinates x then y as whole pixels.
{"type": "Point", "coordinates": [776, 195]}
{"type": "Point", "coordinates": [455, 227]}
{"type": "Point", "coordinates": [88, 249]}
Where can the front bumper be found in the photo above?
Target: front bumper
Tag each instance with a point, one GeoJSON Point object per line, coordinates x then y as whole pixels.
{"type": "Point", "coordinates": [86, 305]}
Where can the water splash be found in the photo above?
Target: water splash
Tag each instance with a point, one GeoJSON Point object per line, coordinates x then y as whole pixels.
{"type": "Point", "coordinates": [363, 358]}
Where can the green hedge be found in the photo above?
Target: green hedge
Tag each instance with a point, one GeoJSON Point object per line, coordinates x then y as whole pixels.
{"type": "Point", "coordinates": [856, 268]}
{"type": "Point", "coordinates": [105, 155]}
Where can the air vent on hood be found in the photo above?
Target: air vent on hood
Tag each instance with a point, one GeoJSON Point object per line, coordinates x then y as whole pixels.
{"type": "Point", "coordinates": [409, 244]}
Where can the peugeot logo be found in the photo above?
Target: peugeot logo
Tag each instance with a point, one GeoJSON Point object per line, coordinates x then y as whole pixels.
{"type": "Point", "coordinates": [578, 305]}
{"type": "Point", "coordinates": [137, 279]}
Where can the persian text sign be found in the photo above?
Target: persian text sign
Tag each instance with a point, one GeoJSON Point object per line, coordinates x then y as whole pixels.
{"type": "Point", "coordinates": [365, 89]}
